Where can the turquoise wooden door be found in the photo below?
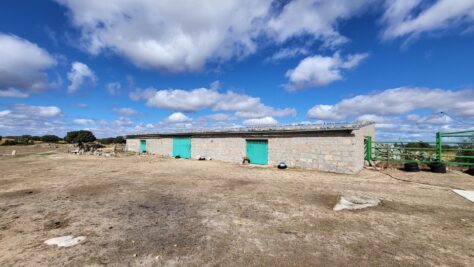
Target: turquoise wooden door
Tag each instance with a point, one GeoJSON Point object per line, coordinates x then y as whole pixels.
{"type": "Point", "coordinates": [257, 151]}
{"type": "Point", "coordinates": [142, 146]}
{"type": "Point", "coordinates": [182, 147]}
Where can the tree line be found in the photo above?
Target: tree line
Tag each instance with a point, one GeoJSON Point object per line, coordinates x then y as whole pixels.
{"type": "Point", "coordinates": [81, 136]}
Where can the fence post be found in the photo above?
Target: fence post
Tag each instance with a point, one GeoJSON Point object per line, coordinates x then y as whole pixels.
{"type": "Point", "coordinates": [439, 146]}
{"type": "Point", "coordinates": [368, 148]}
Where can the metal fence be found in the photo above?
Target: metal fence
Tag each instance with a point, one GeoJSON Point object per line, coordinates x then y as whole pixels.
{"type": "Point", "coordinates": [451, 148]}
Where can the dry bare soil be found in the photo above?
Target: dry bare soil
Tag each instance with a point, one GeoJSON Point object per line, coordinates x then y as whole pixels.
{"type": "Point", "coordinates": [151, 211]}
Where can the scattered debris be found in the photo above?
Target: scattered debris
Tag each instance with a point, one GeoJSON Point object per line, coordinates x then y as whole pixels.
{"type": "Point", "coordinates": [65, 241]}
{"type": "Point", "coordinates": [355, 203]}
{"type": "Point", "coordinates": [202, 158]}
{"type": "Point", "coordinates": [469, 195]}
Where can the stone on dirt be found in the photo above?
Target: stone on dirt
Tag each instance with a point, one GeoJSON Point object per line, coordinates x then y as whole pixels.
{"type": "Point", "coordinates": [65, 241]}
{"type": "Point", "coordinates": [355, 203]}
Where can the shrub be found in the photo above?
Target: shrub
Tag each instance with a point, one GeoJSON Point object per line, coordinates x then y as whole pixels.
{"type": "Point", "coordinates": [50, 138]}
{"type": "Point", "coordinates": [82, 136]}
{"type": "Point", "coordinates": [107, 141]}
{"type": "Point", "coordinates": [10, 143]}
{"type": "Point", "coordinates": [119, 140]}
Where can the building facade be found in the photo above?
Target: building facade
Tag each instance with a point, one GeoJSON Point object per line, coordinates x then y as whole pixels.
{"type": "Point", "coordinates": [327, 147]}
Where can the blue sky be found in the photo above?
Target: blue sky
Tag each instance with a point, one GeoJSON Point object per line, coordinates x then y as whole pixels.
{"type": "Point", "coordinates": [122, 67]}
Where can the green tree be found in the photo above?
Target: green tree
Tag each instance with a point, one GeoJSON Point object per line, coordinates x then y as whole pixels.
{"type": "Point", "coordinates": [50, 138]}
{"type": "Point", "coordinates": [107, 141]}
{"type": "Point", "coordinates": [119, 140]}
{"type": "Point", "coordinates": [82, 136]}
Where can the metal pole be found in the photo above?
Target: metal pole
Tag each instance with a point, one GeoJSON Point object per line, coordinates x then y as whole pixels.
{"type": "Point", "coordinates": [439, 146]}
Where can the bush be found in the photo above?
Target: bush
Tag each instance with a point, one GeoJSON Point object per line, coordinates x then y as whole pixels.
{"type": "Point", "coordinates": [119, 140]}
{"type": "Point", "coordinates": [112, 140]}
{"type": "Point", "coordinates": [10, 143]}
{"type": "Point", "coordinates": [82, 136]}
{"type": "Point", "coordinates": [1, 138]}
{"type": "Point", "coordinates": [468, 146]}
{"type": "Point", "coordinates": [107, 141]}
{"type": "Point", "coordinates": [50, 138]}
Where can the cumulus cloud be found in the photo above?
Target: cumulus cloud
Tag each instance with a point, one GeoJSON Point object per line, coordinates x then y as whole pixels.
{"type": "Point", "coordinates": [23, 67]}
{"type": "Point", "coordinates": [114, 88]}
{"type": "Point", "coordinates": [399, 101]}
{"type": "Point", "coordinates": [265, 121]}
{"type": "Point", "coordinates": [157, 35]}
{"type": "Point", "coordinates": [199, 99]}
{"type": "Point", "coordinates": [286, 53]}
{"type": "Point", "coordinates": [314, 18]}
{"type": "Point", "coordinates": [79, 73]}
{"type": "Point", "coordinates": [13, 93]}
{"type": "Point", "coordinates": [414, 17]}
{"type": "Point", "coordinates": [21, 119]}
{"type": "Point", "coordinates": [123, 121]}
{"type": "Point", "coordinates": [126, 111]}
{"type": "Point", "coordinates": [84, 122]}
{"type": "Point", "coordinates": [321, 70]}
{"type": "Point", "coordinates": [178, 117]}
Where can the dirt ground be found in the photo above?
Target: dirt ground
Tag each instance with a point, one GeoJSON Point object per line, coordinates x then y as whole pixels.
{"type": "Point", "coordinates": [152, 211]}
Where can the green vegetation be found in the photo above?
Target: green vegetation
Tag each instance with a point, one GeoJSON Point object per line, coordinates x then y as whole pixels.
{"type": "Point", "coordinates": [50, 139]}
{"type": "Point", "coordinates": [467, 151]}
{"type": "Point", "coordinates": [112, 140]}
{"type": "Point", "coordinates": [81, 136]}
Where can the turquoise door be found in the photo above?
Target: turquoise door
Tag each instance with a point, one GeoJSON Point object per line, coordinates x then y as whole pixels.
{"type": "Point", "coordinates": [182, 147]}
{"type": "Point", "coordinates": [142, 146]}
{"type": "Point", "coordinates": [257, 151]}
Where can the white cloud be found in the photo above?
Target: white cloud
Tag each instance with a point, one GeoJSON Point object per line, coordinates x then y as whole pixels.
{"type": "Point", "coordinates": [79, 73]}
{"type": "Point", "coordinates": [198, 99]}
{"type": "Point", "coordinates": [26, 119]}
{"type": "Point", "coordinates": [265, 121]}
{"type": "Point", "coordinates": [184, 35]}
{"type": "Point", "coordinates": [37, 111]}
{"type": "Point", "coordinates": [114, 88]}
{"type": "Point", "coordinates": [13, 93]}
{"type": "Point", "coordinates": [123, 121]}
{"type": "Point", "coordinates": [126, 111]}
{"type": "Point", "coordinates": [178, 117]}
{"type": "Point", "coordinates": [23, 67]}
{"type": "Point", "coordinates": [157, 35]}
{"type": "Point", "coordinates": [4, 113]}
{"type": "Point", "coordinates": [414, 17]}
{"type": "Point", "coordinates": [320, 70]}
{"type": "Point", "coordinates": [172, 35]}
{"type": "Point", "coordinates": [218, 117]}
{"type": "Point", "coordinates": [399, 101]}
{"type": "Point", "coordinates": [315, 18]}
{"type": "Point", "coordinates": [84, 122]}
{"type": "Point", "coordinates": [286, 53]}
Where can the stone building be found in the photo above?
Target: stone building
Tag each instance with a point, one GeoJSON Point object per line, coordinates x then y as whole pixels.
{"type": "Point", "coordinates": [333, 147]}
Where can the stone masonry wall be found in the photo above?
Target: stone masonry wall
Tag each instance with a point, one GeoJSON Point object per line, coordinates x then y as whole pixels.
{"type": "Point", "coordinates": [160, 146]}
{"type": "Point", "coordinates": [229, 149]}
{"type": "Point", "coordinates": [329, 151]}
{"type": "Point", "coordinates": [132, 145]}
{"type": "Point", "coordinates": [326, 153]}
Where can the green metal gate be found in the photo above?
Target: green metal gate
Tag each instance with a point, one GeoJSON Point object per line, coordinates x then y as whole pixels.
{"type": "Point", "coordinates": [142, 146]}
{"type": "Point", "coordinates": [182, 147]}
{"type": "Point", "coordinates": [451, 148]}
{"type": "Point", "coordinates": [257, 151]}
